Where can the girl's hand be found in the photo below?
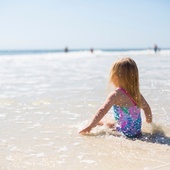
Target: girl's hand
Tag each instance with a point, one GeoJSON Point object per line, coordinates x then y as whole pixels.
{"type": "Point", "coordinates": [85, 130]}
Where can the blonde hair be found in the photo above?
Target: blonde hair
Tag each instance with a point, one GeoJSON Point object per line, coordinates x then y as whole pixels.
{"type": "Point", "coordinates": [128, 78]}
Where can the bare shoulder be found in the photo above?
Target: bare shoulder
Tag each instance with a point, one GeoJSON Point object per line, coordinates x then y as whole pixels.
{"type": "Point", "coordinates": [113, 93]}
{"type": "Point", "coordinates": [114, 96]}
{"type": "Point", "coordinates": [142, 98]}
{"type": "Point", "coordinates": [143, 102]}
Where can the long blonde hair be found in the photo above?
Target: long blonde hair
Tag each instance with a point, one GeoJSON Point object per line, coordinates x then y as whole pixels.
{"type": "Point", "coordinates": [128, 78]}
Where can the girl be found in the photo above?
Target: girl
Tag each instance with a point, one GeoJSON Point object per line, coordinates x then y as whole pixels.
{"type": "Point", "coordinates": [127, 101]}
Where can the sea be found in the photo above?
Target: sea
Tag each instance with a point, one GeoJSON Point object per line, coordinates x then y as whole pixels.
{"type": "Point", "coordinates": [48, 96]}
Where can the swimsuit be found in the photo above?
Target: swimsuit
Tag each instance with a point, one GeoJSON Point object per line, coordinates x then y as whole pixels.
{"type": "Point", "coordinates": [128, 118]}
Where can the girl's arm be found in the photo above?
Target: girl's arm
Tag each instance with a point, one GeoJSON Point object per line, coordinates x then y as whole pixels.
{"type": "Point", "coordinates": [100, 113]}
{"type": "Point", "coordinates": [147, 110]}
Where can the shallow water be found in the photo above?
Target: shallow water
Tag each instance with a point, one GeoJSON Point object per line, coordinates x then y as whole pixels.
{"type": "Point", "coordinates": [45, 99]}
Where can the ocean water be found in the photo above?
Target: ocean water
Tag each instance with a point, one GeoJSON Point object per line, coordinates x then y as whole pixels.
{"type": "Point", "coordinates": [46, 98]}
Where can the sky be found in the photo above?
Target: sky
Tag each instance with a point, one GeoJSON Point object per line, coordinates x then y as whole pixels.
{"type": "Point", "coordinates": [77, 24]}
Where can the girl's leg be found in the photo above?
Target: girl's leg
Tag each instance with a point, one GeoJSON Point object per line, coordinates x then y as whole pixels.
{"type": "Point", "coordinates": [111, 125]}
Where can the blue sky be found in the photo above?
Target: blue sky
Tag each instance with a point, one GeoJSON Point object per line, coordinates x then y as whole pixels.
{"type": "Point", "coordinates": [55, 24]}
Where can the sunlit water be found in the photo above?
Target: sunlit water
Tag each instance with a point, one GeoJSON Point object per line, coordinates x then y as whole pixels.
{"type": "Point", "coordinates": [45, 99]}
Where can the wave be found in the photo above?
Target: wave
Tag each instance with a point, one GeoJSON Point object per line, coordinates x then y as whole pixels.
{"type": "Point", "coordinates": [81, 52]}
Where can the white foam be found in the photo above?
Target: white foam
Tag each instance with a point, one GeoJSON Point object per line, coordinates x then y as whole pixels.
{"type": "Point", "coordinates": [10, 158]}
{"type": "Point", "coordinates": [42, 154]}
{"type": "Point", "coordinates": [2, 116]}
{"type": "Point", "coordinates": [63, 149]}
{"type": "Point", "coordinates": [88, 161]}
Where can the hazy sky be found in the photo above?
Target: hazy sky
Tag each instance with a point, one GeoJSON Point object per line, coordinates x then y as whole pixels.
{"type": "Point", "coordinates": [55, 24]}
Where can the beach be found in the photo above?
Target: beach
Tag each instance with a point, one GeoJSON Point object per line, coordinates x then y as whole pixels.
{"type": "Point", "coordinates": [46, 98]}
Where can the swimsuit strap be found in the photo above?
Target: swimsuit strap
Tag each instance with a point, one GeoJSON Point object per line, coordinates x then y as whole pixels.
{"type": "Point", "coordinates": [123, 90]}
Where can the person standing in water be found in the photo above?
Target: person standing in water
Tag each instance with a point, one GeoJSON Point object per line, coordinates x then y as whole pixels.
{"type": "Point", "coordinates": [155, 48]}
{"type": "Point", "coordinates": [91, 50]}
{"type": "Point", "coordinates": [126, 100]}
{"type": "Point", "coordinates": [66, 50]}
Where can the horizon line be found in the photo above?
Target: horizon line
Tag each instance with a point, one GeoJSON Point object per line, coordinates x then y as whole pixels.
{"type": "Point", "coordinates": [78, 49]}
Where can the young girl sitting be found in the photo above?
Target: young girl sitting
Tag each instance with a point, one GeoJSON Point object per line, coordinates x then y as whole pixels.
{"type": "Point", "coordinates": [127, 101]}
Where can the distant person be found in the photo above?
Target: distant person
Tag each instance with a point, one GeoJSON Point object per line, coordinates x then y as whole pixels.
{"type": "Point", "coordinates": [155, 48]}
{"type": "Point", "coordinates": [66, 50]}
{"type": "Point", "coordinates": [91, 50]}
{"type": "Point", "coordinates": [127, 101]}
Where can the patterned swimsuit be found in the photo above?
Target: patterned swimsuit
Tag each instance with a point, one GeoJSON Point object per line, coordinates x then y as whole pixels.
{"type": "Point", "coordinates": [128, 119]}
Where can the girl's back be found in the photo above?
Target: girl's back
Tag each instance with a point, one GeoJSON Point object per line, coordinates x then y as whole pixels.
{"type": "Point", "coordinates": [127, 114]}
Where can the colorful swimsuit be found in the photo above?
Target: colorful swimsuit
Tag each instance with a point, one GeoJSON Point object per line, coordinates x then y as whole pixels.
{"type": "Point", "coordinates": [128, 119]}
